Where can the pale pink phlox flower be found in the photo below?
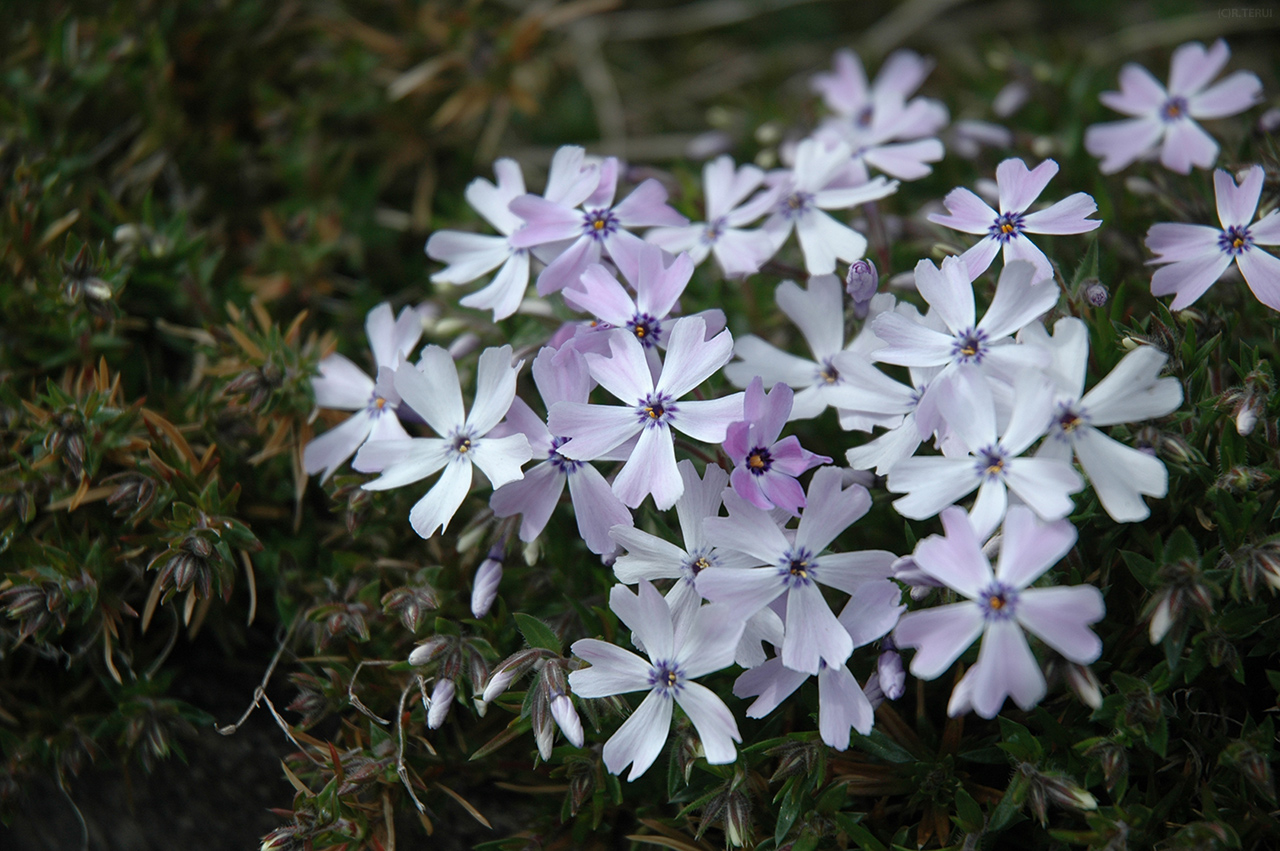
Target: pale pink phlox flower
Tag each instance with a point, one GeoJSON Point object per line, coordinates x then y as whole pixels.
{"type": "Point", "coordinates": [591, 224]}
{"type": "Point", "coordinates": [1163, 118]}
{"type": "Point", "coordinates": [344, 386]}
{"type": "Point", "coordinates": [993, 461]}
{"type": "Point", "coordinates": [1198, 254]}
{"type": "Point", "coordinates": [432, 390]}
{"type": "Point", "coordinates": [561, 376]}
{"type": "Point", "coordinates": [765, 468]}
{"type": "Point", "coordinates": [650, 409]}
{"type": "Point", "coordinates": [988, 345]}
{"type": "Point", "coordinates": [679, 652]}
{"type": "Point", "coordinates": [818, 311]}
{"type": "Point", "coordinates": [739, 252]}
{"type": "Point", "coordinates": [472, 255]}
{"type": "Point", "coordinates": [1133, 391]}
{"type": "Point", "coordinates": [871, 612]}
{"type": "Point", "coordinates": [999, 607]}
{"type": "Point", "coordinates": [879, 145]}
{"type": "Point", "coordinates": [1006, 231]}
{"type": "Point", "coordinates": [812, 186]}
{"type": "Point", "coordinates": [847, 94]}
{"type": "Point", "coordinates": [653, 558]}
{"type": "Point", "coordinates": [795, 567]}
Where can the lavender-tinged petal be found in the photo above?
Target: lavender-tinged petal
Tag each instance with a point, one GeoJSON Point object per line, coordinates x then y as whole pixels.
{"type": "Point", "coordinates": [597, 509]}
{"type": "Point", "coordinates": [747, 591]}
{"type": "Point", "coordinates": [593, 429]}
{"type": "Point", "coordinates": [648, 616]}
{"type": "Point", "coordinates": [676, 240]}
{"type": "Point", "coordinates": [599, 294]}
{"type": "Point", "coordinates": [841, 705]}
{"type": "Point", "coordinates": [401, 462]}
{"type": "Point", "coordinates": [791, 459]}
{"type": "Point", "coordinates": [813, 633]}
{"type": "Point", "coordinates": [651, 469]}
{"type": "Point", "coordinates": [989, 507]}
{"type": "Point", "coordinates": [747, 529]}
{"type": "Point", "coordinates": [709, 643]}
{"type": "Point", "coordinates": [764, 627]}
{"type": "Point", "coordinates": [534, 496]}
{"type": "Point", "coordinates": [782, 491]}
{"type": "Point", "coordinates": [708, 420]}
{"type": "Point", "coordinates": [1029, 547]}
{"type": "Point", "coordinates": [1120, 474]}
{"type": "Point", "coordinates": [1005, 668]}
{"type": "Point", "coordinates": [758, 358]}
{"type": "Point", "coordinates": [646, 206]}
{"type": "Point", "coordinates": [931, 484]}
{"type": "Point", "coordinates": [830, 510]}
{"type": "Point", "coordinates": [701, 499]}
{"type": "Point", "coordinates": [948, 291]}
{"type": "Point", "coordinates": [1262, 273]}
{"type": "Point", "coordinates": [567, 268]}
{"type": "Point", "coordinates": [850, 572]}
{"type": "Point", "coordinates": [977, 259]}
{"type": "Point", "coordinates": [1229, 96]}
{"type": "Point", "coordinates": [956, 559]}
{"type": "Point", "coordinates": [770, 683]}
{"type": "Point", "coordinates": [521, 419]}
{"type": "Point", "coordinates": [736, 442]}
{"type": "Point", "coordinates": [1186, 144]}
{"type": "Point", "coordinates": [1070, 215]}
{"type": "Point", "coordinates": [625, 373]}
{"type": "Point", "coordinates": [387, 427]}
{"type": "Point", "coordinates": [1237, 204]}
{"type": "Point", "coordinates": [500, 458]}
{"type": "Point", "coordinates": [774, 411]}
{"type": "Point", "coordinates": [1022, 248]}
{"type": "Point", "coordinates": [495, 389]}
{"type": "Point", "coordinates": [647, 556]}
{"type": "Point", "coordinates": [1045, 484]}
{"type": "Point", "coordinates": [966, 212]}
{"type": "Point", "coordinates": [1192, 66]}
{"type": "Point", "coordinates": [432, 390]}
{"type": "Point", "coordinates": [742, 252]}
{"type": "Point", "coordinates": [659, 286]}
{"type": "Point", "coordinates": [825, 240]}
{"type": "Point", "coordinates": [1140, 93]}
{"type": "Point", "coordinates": [1119, 143]}
{"type": "Point", "coordinates": [1020, 187]}
{"type": "Point", "coordinates": [872, 611]}
{"type": "Point", "coordinates": [1060, 617]}
{"type": "Point", "coordinates": [939, 636]}
{"type": "Point", "coordinates": [1266, 231]}
{"type": "Point", "coordinates": [561, 375]}
{"type": "Point", "coordinates": [1133, 390]}
{"type": "Point", "coordinates": [545, 221]}
{"type": "Point", "coordinates": [328, 451]}
{"type": "Point", "coordinates": [909, 343]}
{"type": "Point", "coordinates": [506, 291]}
{"type": "Point", "coordinates": [468, 255]}
{"type": "Point", "coordinates": [1006, 363]}
{"type": "Point", "coordinates": [1189, 279]}
{"type": "Point", "coordinates": [887, 449]}
{"type": "Point", "coordinates": [818, 312]}
{"type": "Point", "coordinates": [748, 486]}
{"type": "Point", "coordinates": [714, 722]}
{"type": "Point", "coordinates": [1032, 413]}
{"type": "Point", "coordinates": [844, 197]}
{"type": "Point", "coordinates": [640, 738]}
{"type": "Point", "coordinates": [906, 160]}
{"type": "Point", "coordinates": [691, 358]}
{"type": "Point", "coordinates": [491, 201]}
{"type": "Point", "coordinates": [607, 187]}
{"type": "Point", "coordinates": [380, 327]}
{"type": "Point", "coordinates": [435, 509]}
{"type": "Point", "coordinates": [966, 404]}
{"type": "Point", "coordinates": [341, 384]}
{"type": "Point", "coordinates": [569, 183]}
{"type": "Point", "coordinates": [1174, 242]}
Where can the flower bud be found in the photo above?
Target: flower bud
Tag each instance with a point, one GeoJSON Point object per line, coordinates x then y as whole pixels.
{"type": "Point", "coordinates": [891, 675]}
{"type": "Point", "coordinates": [861, 283]}
{"type": "Point", "coordinates": [499, 682]}
{"type": "Point", "coordinates": [441, 702]}
{"type": "Point", "coordinates": [485, 587]}
{"type": "Point", "coordinates": [1096, 294]}
{"type": "Point", "coordinates": [428, 650]}
{"type": "Point", "coordinates": [567, 719]}
{"type": "Point", "coordinates": [1085, 684]}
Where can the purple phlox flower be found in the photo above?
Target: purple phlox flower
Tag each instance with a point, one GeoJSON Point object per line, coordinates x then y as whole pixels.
{"type": "Point", "coordinates": [810, 188]}
{"type": "Point", "coordinates": [472, 255]}
{"type": "Point", "coordinates": [676, 658]}
{"type": "Point", "coordinates": [796, 567]}
{"type": "Point", "coordinates": [1133, 391]}
{"type": "Point", "coordinates": [1198, 254]}
{"type": "Point", "coordinates": [658, 287]}
{"type": "Point", "coordinates": [1020, 297]}
{"type": "Point", "coordinates": [561, 376]}
{"type": "Point", "coordinates": [847, 94]}
{"type": "Point", "coordinates": [1163, 118]}
{"type": "Point", "coordinates": [765, 468]}
{"type": "Point", "coordinates": [871, 612]}
{"type": "Point", "coordinates": [882, 396]}
{"type": "Point", "coordinates": [992, 462]}
{"type": "Point", "coordinates": [999, 606]}
{"type": "Point", "coordinates": [1005, 231]}
{"type": "Point", "coordinates": [590, 224]}
{"type": "Point", "coordinates": [433, 391]}
{"type": "Point", "coordinates": [739, 252]}
{"type": "Point", "coordinates": [967, 137]}
{"type": "Point", "coordinates": [650, 409]}
{"type": "Point", "coordinates": [880, 144]}
{"type": "Point", "coordinates": [652, 558]}
{"type": "Point", "coordinates": [818, 312]}
{"type": "Point", "coordinates": [344, 386]}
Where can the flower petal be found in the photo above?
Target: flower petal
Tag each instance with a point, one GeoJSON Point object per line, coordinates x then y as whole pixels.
{"type": "Point", "coordinates": [593, 429]}
{"type": "Point", "coordinates": [401, 462]}
{"type": "Point", "coordinates": [1231, 95]}
{"type": "Point", "coordinates": [1262, 272]}
{"type": "Point", "coordinates": [956, 559]}
{"type": "Point", "coordinates": [500, 458]}
{"type": "Point", "coordinates": [1045, 484]}
{"type": "Point", "coordinates": [341, 384]}
{"type": "Point", "coordinates": [1192, 67]}
{"type": "Point", "coordinates": [1237, 204]}
{"type": "Point", "coordinates": [1060, 617]}
{"type": "Point", "coordinates": [647, 556]}
{"type": "Point", "coordinates": [1020, 187]}
{"type": "Point", "coordinates": [770, 683]}
{"type": "Point", "coordinates": [1172, 242]}
{"type": "Point", "coordinates": [966, 212]}
{"type": "Point", "coordinates": [939, 636]}
{"type": "Point", "coordinates": [1120, 474]}
{"type": "Point", "coordinates": [431, 389]}
{"type": "Point", "coordinates": [1119, 143]}
{"type": "Point", "coordinates": [817, 311]}
{"type": "Point", "coordinates": [1029, 547]}
{"type": "Point", "coordinates": [709, 643]}
{"type": "Point", "coordinates": [1070, 215]}
{"type": "Point", "coordinates": [1005, 668]}
{"type": "Point", "coordinates": [691, 358]}
{"type": "Point", "coordinates": [534, 496]}
{"type": "Point", "coordinates": [1187, 280]}
{"type": "Point", "coordinates": [651, 469]}
{"type": "Point", "coordinates": [829, 510]}
{"type": "Point", "coordinates": [813, 633]}
{"type": "Point", "coordinates": [1187, 144]}
{"type": "Point", "coordinates": [949, 291]}
{"type": "Point", "coordinates": [714, 722]}
{"type": "Point", "coordinates": [1140, 93]}
{"type": "Point", "coordinates": [841, 704]}
{"type": "Point", "coordinates": [328, 451]}
{"type": "Point", "coordinates": [435, 509]}
{"type": "Point", "coordinates": [613, 670]}
{"type": "Point", "coordinates": [597, 509]}
{"type": "Point", "coordinates": [640, 738]}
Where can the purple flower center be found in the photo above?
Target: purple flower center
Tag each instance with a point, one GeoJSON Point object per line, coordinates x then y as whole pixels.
{"type": "Point", "coordinates": [656, 410]}
{"type": "Point", "coordinates": [827, 373]}
{"type": "Point", "coordinates": [647, 329]}
{"type": "Point", "coordinates": [698, 561]}
{"type": "Point", "coordinates": [461, 443]}
{"type": "Point", "coordinates": [969, 345]}
{"type": "Point", "coordinates": [712, 231]}
{"type": "Point", "coordinates": [759, 461]}
{"type": "Point", "coordinates": [1007, 226]}
{"type": "Point", "coordinates": [797, 567]}
{"type": "Point", "coordinates": [598, 224]}
{"type": "Point", "coordinates": [1069, 417]}
{"type": "Point", "coordinates": [1235, 240]}
{"type": "Point", "coordinates": [378, 405]}
{"type": "Point", "coordinates": [795, 204]}
{"type": "Point", "coordinates": [992, 462]}
{"type": "Point", "coordinates": [565, 465]}
{"type": "Point", "coordinates": [1173, 109]}
{"type": "Point", "coordinates": [998, 601]}
{"type": "Point", "coordinates": [666, 678]}
{"type": "Point", "coordinates": [864, 116]}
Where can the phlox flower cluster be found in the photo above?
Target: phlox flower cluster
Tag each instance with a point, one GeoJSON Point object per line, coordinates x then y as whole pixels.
{"type": "Point", "coordinates": [956, 400]}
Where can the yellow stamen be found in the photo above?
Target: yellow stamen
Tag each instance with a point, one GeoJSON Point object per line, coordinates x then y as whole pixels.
{"type": "Point", "coordinates": [1006, 228]}
{"type": "Point", "coordinates": [1237, 242]}
{"type": "Point", "coordinates": [671, 678]}
{"type": "Point", "coordinates": [969, 350]}
{"type": "Point", "coordinates": [380, 403]}
{"type": "Point", "coordinates": [996, 603]}
{"type": "Point", "coordinates": [755, 461]}
{"type": "Point", "coordinates": [598, 224]}
{"type": "Point", "coordinates": [995, 468]}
